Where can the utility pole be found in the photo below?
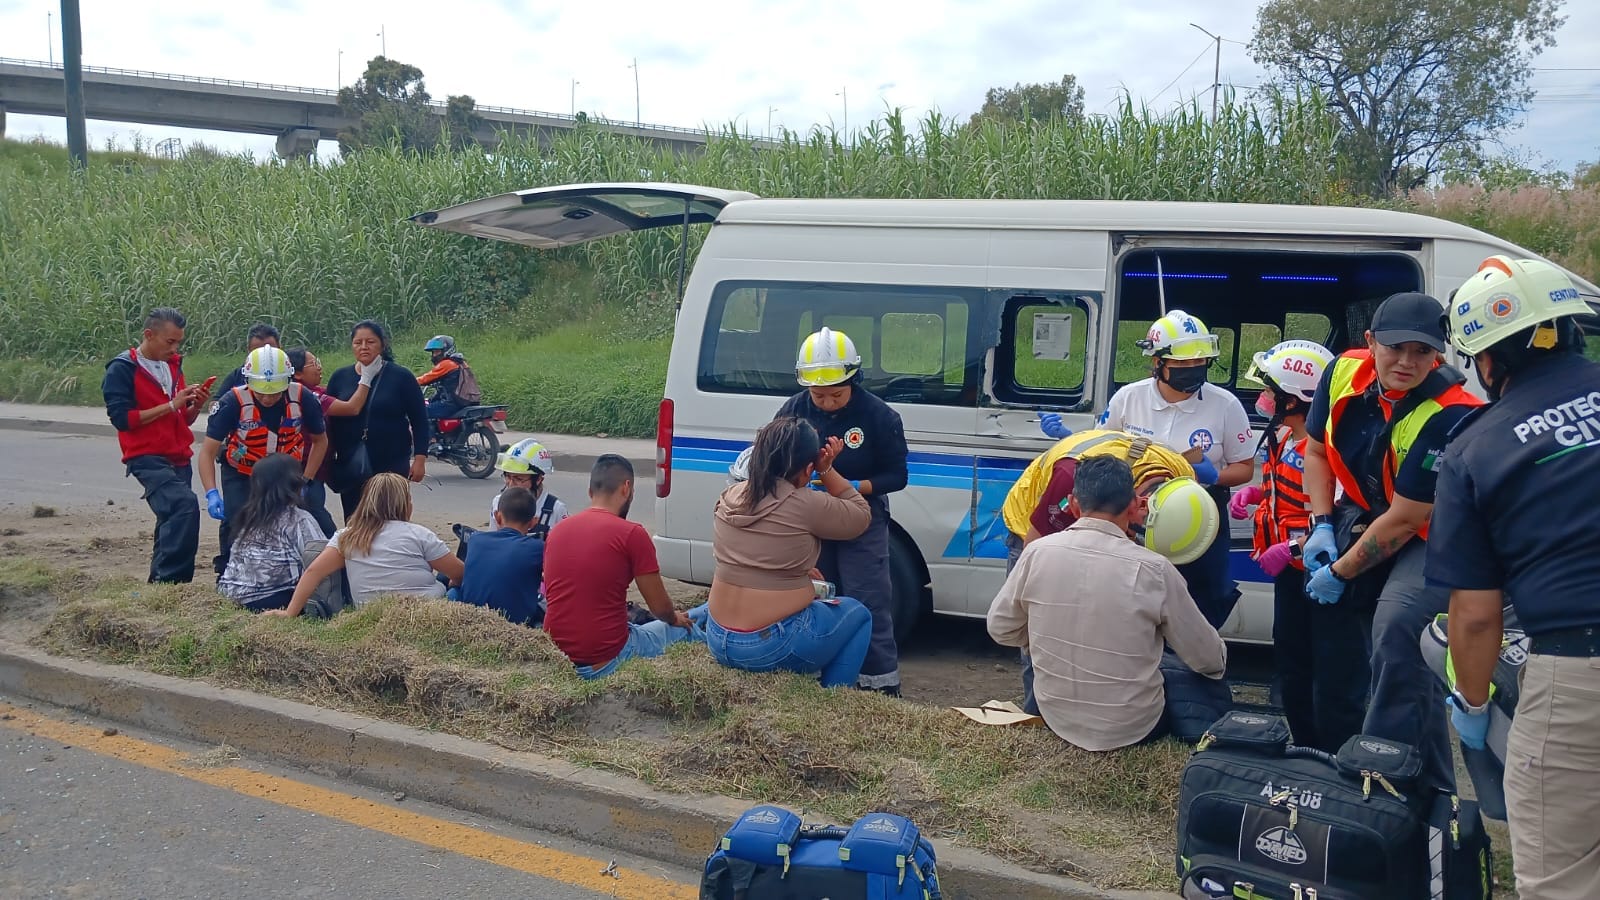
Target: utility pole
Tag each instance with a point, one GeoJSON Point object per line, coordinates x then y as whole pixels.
{"type": "Point", "coordinates": [383, 40]}
{"type": "Point", "coordinates": [844, 92]}
{"type": "Point", "coordinates": [338, 80]}
{"type": "Point", "coordinates": [50, 37]}
{"type": "Point", "coordinates": [635, 68]}
{"type": "Point", "coordinates": [770, 111]}
{"type": "Point", "coordinates": [574, 98]}
{"type": "Point", "coordinates": [72, 74]}
{"type": "Point", "coordinates": [1216, 71]}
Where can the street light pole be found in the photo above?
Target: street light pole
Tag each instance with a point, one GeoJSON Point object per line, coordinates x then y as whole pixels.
{"type": "Point", "coordinates": [574, 98]}
{"type": "Point", "coordinates": [1216, 71]}
{"type": "Point", "coordinates": [844, 92]}
{"type": "Point", "coordinates": [50, 37]}
{"type": "Point", "coordinates": [770, 111]}
{"type": "Point", "coordinates": [635, 68]}
{"type": "Point", "coordinates": [383, 40]}
{"type": "Point", "coordinates": [72, 75]}
{"type": "Point", "coordinates": [339, 71]}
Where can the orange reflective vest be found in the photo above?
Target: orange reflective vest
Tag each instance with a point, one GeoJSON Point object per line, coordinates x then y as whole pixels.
{"type": "Point", "coordinates": [1354, 373]}
{"type": "Point", "coordinates": [1285, 509]}
{"type": "Point", "coordinates": [251, 441]}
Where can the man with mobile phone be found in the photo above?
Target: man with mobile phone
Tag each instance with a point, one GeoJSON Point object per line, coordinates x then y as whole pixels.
{"type": "Point", "coordinates": [152, 409]}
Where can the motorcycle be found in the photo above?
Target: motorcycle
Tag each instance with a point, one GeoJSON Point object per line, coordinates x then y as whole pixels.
{"type": "Point", "coordinates": [469, 439]}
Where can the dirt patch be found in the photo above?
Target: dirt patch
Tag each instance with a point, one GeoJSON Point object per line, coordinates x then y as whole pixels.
{"type": "Point", "coordinates": [218, 757]}
{"type": "Point", "coordinates": [612, 717]}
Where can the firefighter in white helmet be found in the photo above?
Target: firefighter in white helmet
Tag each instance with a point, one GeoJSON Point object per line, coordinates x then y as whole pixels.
{"type": "Point", "coordinates": [1175, 408]}
{"type": "Point", "coordinates": [526, 464]}
{"type": "Point", "coordinates": [1517, 510]}
{"type": "Point", "coordinates": [873, 462]}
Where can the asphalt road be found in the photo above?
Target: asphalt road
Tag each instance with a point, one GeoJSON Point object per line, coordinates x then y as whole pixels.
{"type": "Point", "coordinates": [79, 471]}
{"type": "Point", "coordinates": [101, 823]}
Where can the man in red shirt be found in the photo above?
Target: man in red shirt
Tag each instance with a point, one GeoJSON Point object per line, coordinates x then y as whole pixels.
{"type": "Point", "coordinates": [152, 409]}
{"type": "Point", "coordinates": [590, 558]}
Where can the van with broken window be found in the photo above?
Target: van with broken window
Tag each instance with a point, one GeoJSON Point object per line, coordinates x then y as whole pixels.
{"type": "Point", "coordinates": [972, 317]}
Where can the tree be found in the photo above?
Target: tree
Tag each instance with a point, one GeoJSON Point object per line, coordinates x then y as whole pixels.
{"type": "Point", "coordinates": [392, 107]}
{"type": "Point", "coordinates": [1033, 102]}
{"type": "Point", "coordinates": [1408, 80]}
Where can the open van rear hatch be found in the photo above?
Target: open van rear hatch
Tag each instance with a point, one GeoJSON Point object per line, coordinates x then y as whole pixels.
{"type": "Point", "coordinates": [548, 218]}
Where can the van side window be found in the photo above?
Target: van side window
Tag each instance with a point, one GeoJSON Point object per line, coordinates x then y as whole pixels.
{"type": "Point", "coordinates": [1035, 332]}
{"type": "Point", "coordinates": [916, 343]}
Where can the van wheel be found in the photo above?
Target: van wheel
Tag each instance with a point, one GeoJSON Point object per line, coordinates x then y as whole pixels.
{"type": "Point", "coordinates": [911, 594]}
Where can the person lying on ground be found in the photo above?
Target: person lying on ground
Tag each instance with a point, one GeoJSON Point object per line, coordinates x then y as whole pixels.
{"type": "Point", "coordinates": [1094, 608]}
{"type": "Point", "coordinates": [272, 531]}
{"type": "Point", "coordinates": [381, 550]}
{"type": "Point", "coordinates": [768, 531]}
{"type": "Point", "coordinates": [589, 561]}
{"type": "Point", "coordinates": [504, 568]}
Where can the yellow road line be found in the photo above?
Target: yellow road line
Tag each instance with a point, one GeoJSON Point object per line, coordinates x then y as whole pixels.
{"type": "Point", "coordinates": [568, 868]}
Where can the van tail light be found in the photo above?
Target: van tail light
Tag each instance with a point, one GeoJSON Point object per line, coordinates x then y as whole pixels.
{"type": "Point", "coordinates": [664, 449]}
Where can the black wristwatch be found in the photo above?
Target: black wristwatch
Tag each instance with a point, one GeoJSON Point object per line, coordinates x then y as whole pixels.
{"type": "Point", "coordinates": [1295, 550]}
{"type": "Point", "coordinates": [1321, 520]}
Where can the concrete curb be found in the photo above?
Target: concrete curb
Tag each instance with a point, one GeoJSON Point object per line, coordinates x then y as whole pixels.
{"type": "Point", "coordinates": [523, 788]}
{"type": "Point", "coordinates": [574, 462]}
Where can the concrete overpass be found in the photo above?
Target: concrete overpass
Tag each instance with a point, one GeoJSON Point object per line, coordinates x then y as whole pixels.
{"type": "Point", "coordinates": [297, 116]}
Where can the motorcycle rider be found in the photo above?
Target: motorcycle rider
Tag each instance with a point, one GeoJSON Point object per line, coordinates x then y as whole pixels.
{"type": "Point", "coordinates": [444, 377]}
{"type": "Point", "coordinates": [525, 465]}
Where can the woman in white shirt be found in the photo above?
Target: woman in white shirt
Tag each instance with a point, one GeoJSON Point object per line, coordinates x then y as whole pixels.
{"type": "Point", "coordinates": [381, 551]}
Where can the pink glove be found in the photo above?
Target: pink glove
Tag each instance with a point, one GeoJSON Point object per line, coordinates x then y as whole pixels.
{"type": "Point", "coordinates": [1275, 559]}
{"type": "Point", "coordinates": [1243, 499]}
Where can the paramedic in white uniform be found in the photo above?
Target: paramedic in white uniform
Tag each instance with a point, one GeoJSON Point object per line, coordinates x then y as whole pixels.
{"type": "Point", "coordinates": [1177, 408]}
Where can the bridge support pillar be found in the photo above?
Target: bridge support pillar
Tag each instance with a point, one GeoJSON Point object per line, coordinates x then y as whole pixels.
{"type": "Point", "coordinates": [298, 143]}
{"type": "Point", "coordinates": [2, 120]}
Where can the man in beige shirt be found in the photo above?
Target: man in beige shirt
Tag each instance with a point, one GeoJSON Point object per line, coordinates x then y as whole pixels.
{"type": "Point", "coordinates": [1094, 609]}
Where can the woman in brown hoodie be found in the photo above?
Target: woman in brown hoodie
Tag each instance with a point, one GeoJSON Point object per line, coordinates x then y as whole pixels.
{"type": "Point", "coordinates": [768, 531]}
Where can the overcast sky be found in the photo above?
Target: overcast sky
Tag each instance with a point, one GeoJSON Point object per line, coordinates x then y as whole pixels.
{"type": "Point", "coordinates": [715, 62]}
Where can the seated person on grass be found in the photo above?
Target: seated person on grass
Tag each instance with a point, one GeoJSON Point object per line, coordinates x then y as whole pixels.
{"type": "Point", "coordinates": [589, 560]}
{"type": "Point", "coordinates": [767, 534]}
{"type": "Point", "coordinates": [380, 550]}
{"type": "Point", "coordinates": [274, 529]}
{"type": "Point", "coordinates": [1094, 609]}
{"type": "Point", "coordinates": [504, 567]}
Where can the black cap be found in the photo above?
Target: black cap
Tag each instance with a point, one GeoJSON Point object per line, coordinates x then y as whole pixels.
{"type": "Point", "coordinates": [1408, 317]}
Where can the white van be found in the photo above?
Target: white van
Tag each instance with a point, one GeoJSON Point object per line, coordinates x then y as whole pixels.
{"type": "Point", "coordinates": [971, 316]}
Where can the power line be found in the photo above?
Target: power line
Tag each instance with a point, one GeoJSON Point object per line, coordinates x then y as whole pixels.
{"type": "Point", "coordinates": [1180, 74]}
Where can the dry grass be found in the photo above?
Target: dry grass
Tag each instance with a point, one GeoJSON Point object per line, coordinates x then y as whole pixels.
{"type": "Point", "coordinates": [681, 722]}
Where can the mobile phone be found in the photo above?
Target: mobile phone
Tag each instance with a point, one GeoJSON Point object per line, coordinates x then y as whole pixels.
{"type": "Point", "coordinates": [206, 385]}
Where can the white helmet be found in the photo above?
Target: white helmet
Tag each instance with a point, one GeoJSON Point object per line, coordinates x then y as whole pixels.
{"type": "Point", "coordinates": [267, 370]}
{"type": "Point", "coordinates": [1508, 295]}
{"type": "Point", "coordinates": [740, 469]}
{"type": "Point", "coordinates": [1294, 367]}
{"type": "Point", "coordinates": [526, 457]}
{"type": "Point", "coordinates": [1182, 522]}
{"type": "Point", "coordinates": [1178, 335]}
{"type": "Point", "coordinates": [827, 357]}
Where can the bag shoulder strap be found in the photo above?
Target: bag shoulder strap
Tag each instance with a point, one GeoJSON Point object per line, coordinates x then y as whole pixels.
{"type": "Point", "coordinates": [366, 408]}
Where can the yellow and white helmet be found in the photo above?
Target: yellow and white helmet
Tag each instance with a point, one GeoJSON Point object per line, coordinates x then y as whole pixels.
{"type": "Point", "coordinates": [827, 357]}
{"type": "Point", "coordinates": [1178, 335]}
{"type": "Point", "coordinates": [1182, 522]}
{"type": "Point", "coordinates": [1508, 295]}
{"type": "Point", "coordinates": [1294, 367]}
{"type": "Point", "coordinates": [526, 457]}
{"type": "Point", "coordinates": [267, 370]}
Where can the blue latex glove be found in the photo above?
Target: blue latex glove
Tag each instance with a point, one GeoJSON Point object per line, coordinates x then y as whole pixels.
{"type": "Point", "coordinates": [453, 594]}
{"type": "Point", "coordinates": [1205, 472]}
{"type": "Point", "coordinates": [1325, 587]}
{"type": "Point", "coordinates": [855, 484]}
{"type": "Point", "coordinates": [816, 484]}
{"type": "Point", "coordinates": [1321, 549]}
{"type": "Point", "coordinates": [214, 504]}
{"type": "Point", "coordinates": [1052, 426]}
{"type": "Point", "coordinates": [1474, 729]}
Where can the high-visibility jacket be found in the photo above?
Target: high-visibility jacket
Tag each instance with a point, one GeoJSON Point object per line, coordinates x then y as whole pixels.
{"type": "Point", "coordinates": [1151, 459]}
{"type": "Point", "coordinates": [1354, 373]}
{"type": "Point", "coordinates": [1285, 509]}
{"type": "Point", "coordinates": [252, 441]}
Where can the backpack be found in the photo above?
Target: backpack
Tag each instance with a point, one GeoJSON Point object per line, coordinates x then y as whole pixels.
{"type": "Point", "coordinates": [467, 390]}
{"type": "Point", "coordinates": [1260, 819]}
{"type": "Point", "coordinates": [770, 854]}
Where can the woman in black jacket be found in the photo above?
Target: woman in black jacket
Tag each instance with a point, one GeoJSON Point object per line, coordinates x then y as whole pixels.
{"type": "Point", "coordinates": [395, 419]}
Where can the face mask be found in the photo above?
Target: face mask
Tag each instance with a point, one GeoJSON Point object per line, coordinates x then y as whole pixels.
{"type": "Point", "coordinates": [1267, 404]}
{"type": "Point", "coordinates": [1186, 380]}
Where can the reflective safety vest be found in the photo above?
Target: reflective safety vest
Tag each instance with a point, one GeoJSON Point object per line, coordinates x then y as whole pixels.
{"type": "Point", "coordinates": [1285, 509]}
{"type": "Point", "coordinates": [1151, 459]}
{"type": "Point", "coordinates": [1354, 373]}
{"type": "Point", "coordinates": [252, 441]}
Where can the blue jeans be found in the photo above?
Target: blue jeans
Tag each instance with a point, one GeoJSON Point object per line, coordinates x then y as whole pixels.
{"type": "Point", "coordinates": [644, 642]}
{"type": "Point", "coordinates": [826, 639]}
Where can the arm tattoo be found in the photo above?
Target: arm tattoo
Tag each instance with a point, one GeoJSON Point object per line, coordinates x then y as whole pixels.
{"type": "Point", "coordinates": [1370, 552]}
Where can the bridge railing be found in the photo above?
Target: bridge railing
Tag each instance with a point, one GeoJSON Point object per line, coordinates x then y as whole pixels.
{"type": "Point", "coordinates": [332, 94]}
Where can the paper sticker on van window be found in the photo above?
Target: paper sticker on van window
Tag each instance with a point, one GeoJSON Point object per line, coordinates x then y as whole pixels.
{"type": "Point", "coordinates": [1052, 336]}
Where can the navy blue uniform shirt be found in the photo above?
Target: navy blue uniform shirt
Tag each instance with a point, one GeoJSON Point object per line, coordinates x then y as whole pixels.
{"type": "Point", "coordinates": [503, 572]}
{"type": "Point", "coordinates": [874, 439]}
{"type": "Point", "coordinates": [1519, 498]}
{"type": "Point", "coordinates": [225, 420]}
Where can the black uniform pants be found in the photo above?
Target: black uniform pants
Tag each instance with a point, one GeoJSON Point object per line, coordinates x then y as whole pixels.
{"type": "Point", "coordinates": [167, 490]}
{"type": "Point", "coordinates": [1322, 656]}
{"type": "Point", "coordinates": [316, 502]}
{"type": "Point", "coordinates": [1213, 590]}
{"type": "Point", "coordinates": [235, 486]}
{"type": "Point", "coordinates": [860, 569]}
{"type": "Point", "coordinates": [1407, 698]}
